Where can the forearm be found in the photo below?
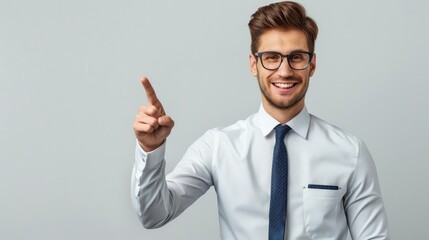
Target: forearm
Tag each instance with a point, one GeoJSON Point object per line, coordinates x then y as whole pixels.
{"type": "Point", "coordinates": [158, 198]}
{"type": "Point", "coordinates": [149, 193]}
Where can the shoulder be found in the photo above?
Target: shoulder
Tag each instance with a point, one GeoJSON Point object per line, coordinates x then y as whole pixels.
{"type": "Point", "coordinates": [324, 131]}
{"type": "Point", "coordinates": [231, 138]}
{"type": "Point", "coordinates": [236, 130]}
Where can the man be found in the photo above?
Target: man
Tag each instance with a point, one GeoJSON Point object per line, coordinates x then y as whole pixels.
{"type": "Point", "coordinates": [281, 173]}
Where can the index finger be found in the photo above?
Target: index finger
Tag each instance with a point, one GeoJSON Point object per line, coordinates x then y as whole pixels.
{"type": "Point", "coordinates": [150, 92]}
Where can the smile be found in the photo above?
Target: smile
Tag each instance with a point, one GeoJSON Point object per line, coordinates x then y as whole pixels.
{"type": "Point", "coordinates": [284, 85]}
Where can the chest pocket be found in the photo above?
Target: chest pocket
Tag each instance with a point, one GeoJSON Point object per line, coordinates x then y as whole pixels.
{"type": "Point", "coordinates": [324, 216]}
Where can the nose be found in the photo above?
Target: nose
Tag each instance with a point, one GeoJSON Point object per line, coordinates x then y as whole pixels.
{"type": "Point", "coordinates": [285, 70]}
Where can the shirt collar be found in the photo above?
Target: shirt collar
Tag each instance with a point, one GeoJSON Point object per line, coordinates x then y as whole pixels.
{"type": "Point", "coordinates": [300, 123]}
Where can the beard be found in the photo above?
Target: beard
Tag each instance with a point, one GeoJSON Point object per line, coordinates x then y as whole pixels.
{"type": "Point", "coordinates": [284, 105]}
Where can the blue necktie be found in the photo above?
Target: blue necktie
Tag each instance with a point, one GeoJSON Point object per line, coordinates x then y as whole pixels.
{"type": "Point", "coordinates": [278, 200]}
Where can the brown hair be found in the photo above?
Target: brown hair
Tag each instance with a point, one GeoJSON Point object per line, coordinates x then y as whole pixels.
{"type": "Point", "coordinates": [282, 16]}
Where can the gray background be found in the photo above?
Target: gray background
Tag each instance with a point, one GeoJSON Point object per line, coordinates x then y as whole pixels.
{"type": "Point", "coordinates": [69, 90]}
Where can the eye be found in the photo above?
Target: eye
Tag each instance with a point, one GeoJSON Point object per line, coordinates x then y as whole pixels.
{"type": "Point", "coordinates": [296, 57]}
{"type": "Point", "coordinates": [271, 57]}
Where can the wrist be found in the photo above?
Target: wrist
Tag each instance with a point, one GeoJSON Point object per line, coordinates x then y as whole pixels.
{"type": "Point", "coordinates": [150, 148]}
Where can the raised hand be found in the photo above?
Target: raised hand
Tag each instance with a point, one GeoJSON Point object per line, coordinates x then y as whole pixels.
{"type": "Point", "coordinates": [152, 126]}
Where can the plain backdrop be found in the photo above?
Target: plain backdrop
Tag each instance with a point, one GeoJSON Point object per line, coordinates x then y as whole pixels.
{"type": "Point", "coordinates": [69, 91]}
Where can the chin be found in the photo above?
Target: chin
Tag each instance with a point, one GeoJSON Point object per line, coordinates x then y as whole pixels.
{"type": "Point", "coordinates": [284, 105]}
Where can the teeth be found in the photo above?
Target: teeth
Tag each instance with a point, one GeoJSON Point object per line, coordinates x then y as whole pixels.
{"type": "Point", "coordinates": [283, 85]}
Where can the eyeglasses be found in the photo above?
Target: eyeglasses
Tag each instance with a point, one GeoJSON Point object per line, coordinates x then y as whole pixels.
{"type": "Point", "coordinates": [297, 60]}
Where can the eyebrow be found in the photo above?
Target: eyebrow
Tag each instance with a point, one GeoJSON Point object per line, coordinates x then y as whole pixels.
{"type": "Point", "coordinates": [293, 51]}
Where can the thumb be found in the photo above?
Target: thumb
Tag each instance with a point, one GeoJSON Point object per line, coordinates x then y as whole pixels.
{"type": "Point", "coordinates": [166, 121]}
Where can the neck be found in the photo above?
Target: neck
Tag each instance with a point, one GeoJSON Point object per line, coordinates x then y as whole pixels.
{"type": "Point", "coordinates": [283, 115]}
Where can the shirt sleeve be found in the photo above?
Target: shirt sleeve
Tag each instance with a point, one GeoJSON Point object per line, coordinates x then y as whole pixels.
{"type": "Point", "coordinates": [158, 198]}
{"type": "Point", "coordinates": [364, 206]}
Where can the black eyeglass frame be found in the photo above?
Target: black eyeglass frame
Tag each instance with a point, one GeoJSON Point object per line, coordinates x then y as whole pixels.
{"type": "Point", "coordinates": [259, 55]}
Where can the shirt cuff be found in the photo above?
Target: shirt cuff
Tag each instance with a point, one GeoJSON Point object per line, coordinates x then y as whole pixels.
{"type": "Point", "coordinates": [148, 160]}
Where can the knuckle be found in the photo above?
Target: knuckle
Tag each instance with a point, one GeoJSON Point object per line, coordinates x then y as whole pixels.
{"type": "Point", "coordinates": [149, 121]}
{"type": "Point", "coordinates": [151, 110]}
{"type": "Point", "coordinates": [154, 121]}
{"type": "Point", "coordinates": [148, 129]}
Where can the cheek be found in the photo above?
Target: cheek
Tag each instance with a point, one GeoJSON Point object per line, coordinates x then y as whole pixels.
{"type": "Point", "coordinates": [263, 78]}
{"type": "Point", "coordinates": [306, 75]}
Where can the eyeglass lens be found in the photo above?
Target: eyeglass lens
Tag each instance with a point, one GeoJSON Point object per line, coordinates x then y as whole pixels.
{"type": "Point", "coordinates": [298, 61]}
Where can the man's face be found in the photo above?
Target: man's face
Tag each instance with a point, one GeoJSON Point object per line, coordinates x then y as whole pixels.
{"type": "Point", "coordinates": [285, 87]}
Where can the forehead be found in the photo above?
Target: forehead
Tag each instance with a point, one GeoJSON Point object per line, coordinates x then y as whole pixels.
{"type": "Point", "coordinates": [282, 41]}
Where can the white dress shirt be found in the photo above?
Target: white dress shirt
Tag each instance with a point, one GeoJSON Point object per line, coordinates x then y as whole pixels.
{"type": "Point", "coordinates": [237, 161]}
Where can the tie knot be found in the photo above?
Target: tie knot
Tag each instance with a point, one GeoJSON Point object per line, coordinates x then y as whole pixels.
{"type": "Point", "coordinates": [281, 131]}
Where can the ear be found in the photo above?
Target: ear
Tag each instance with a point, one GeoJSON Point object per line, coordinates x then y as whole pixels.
{"type": "Point", "coordinates": [252, 65]}
{"type": "Point", "coordinates": [313, 65]}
